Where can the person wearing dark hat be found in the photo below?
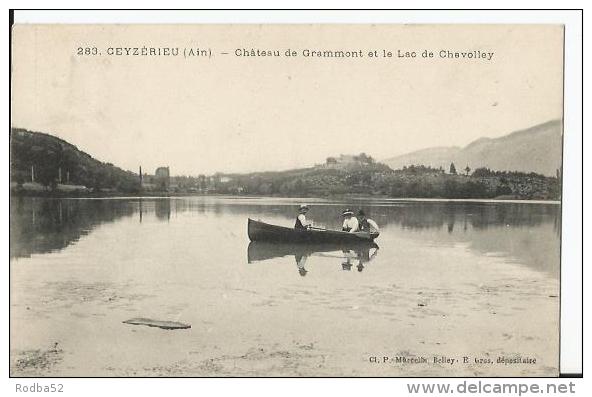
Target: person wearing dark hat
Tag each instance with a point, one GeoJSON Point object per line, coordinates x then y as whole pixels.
{"type": "Point", "coordinates": [301, 222]}
{"type": "Point", "coordinates": [366, 224]}
{"type": "Point", "coordinates": [350, 222]}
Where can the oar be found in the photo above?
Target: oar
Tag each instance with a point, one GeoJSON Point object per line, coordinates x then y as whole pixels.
{"type": "Point", "coordinates": [317, 228]}
{"type": "Point", "coordinates": [329, 230]}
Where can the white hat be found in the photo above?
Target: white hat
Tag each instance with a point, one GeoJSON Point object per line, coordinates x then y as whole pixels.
{"type": "Point", "coordinates": [303, 207]}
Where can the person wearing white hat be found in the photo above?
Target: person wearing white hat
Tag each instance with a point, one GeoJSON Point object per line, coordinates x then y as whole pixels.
{"type": "Point", "coordinates": [301, 222]}
{"type": "Point", "coordinates": [350, 222]}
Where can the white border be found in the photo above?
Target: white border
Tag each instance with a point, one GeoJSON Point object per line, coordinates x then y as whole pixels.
{"type": "Point", "coordinates": [295, 17]}
{"type": "Point", "coordinates": [571, 301]}
{"type": "Point", "coordinates": [571, 236]}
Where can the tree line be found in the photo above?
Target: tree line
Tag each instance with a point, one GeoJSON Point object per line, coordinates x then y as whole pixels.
{"type": "Point", "coordinates": [414, 181]}
{"type": "Point", "coordinates": [52, 158]}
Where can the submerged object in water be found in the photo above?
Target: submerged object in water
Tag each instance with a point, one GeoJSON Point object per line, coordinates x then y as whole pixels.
{"type": "Point", "coordinates": [156, 323]}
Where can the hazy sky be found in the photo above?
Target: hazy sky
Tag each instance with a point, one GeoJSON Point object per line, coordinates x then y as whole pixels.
{"type": "Point", "coordinates": [238, 114]}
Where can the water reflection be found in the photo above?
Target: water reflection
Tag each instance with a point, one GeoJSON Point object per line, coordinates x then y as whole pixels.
{"type": "Point", "coordinates": [346, 255]}
{"type": "Point", "coordinates": [526, 233]}
{"type": "Point", "coordinates": [455, 216]}
{"type": "Point", "coordinates": [162, 209]}
{"type": "Point", "coordinates": [39, 225]}
{"type": "Point", "coordinates": [362, 257]}
{"type": "Point", "coordinates": [45, 225]}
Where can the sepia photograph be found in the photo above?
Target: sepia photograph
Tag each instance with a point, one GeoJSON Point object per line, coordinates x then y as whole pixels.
{"type": "Point", "coordinates": [286, 200]}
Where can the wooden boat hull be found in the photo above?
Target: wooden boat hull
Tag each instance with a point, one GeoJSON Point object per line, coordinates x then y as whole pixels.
{"type": "Point", "coordinates": [260, 231]}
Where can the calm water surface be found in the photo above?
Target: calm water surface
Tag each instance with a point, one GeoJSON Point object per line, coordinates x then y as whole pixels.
{"type": "Point", "coordinates": [92, 263]}
{"type": "Point", "coordinates": [212, 231]}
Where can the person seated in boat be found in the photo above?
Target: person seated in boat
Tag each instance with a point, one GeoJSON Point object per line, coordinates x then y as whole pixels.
{"type": "Point", "coordinates": [350, 222]}
{"type": "Point", "coordinates": [367, 224]}
{"type": "Point", "coordinates": [301, 222]}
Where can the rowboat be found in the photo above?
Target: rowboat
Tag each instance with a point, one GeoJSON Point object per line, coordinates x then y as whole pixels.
{"type": "Point", "coordinates": [264, 250]}
{"type": "Point", "coordinates": [261, 231]}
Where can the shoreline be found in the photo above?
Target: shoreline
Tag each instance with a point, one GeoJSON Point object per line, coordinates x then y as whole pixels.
{"type": "Point", "coordinates": [162, 195]}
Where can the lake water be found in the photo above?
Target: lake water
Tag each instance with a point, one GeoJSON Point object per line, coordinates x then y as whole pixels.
{"type": "Point", "coordinates": [448, 279]}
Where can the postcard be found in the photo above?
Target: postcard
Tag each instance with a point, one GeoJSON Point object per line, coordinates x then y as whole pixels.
{"type": "Point", "coordinates": [300, 200]}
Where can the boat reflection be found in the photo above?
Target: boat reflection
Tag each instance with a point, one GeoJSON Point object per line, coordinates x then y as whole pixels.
{"type": "Point", "coordinates": [358, 254]}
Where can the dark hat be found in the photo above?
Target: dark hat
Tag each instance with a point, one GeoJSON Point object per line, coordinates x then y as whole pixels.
{"type": "Point", "coordinates": [361, 213]}
{"type": "Point", "coordinates": [303, 207]}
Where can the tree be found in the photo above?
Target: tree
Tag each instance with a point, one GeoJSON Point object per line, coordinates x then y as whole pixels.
{"type": "Point", "coordinates": [363, 158]}
{"type": "Point", "coordinates": [482, 172]}
{"type": "Point", "coordinates": [467, 169]}
{"type": "Point", "coordinates": [451, 188]}
{"type": "Point", "coordinates": [452, 169]}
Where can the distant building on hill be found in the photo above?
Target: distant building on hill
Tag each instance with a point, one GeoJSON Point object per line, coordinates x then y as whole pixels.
{"type": "Point", "coordinates": [345, 160]}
